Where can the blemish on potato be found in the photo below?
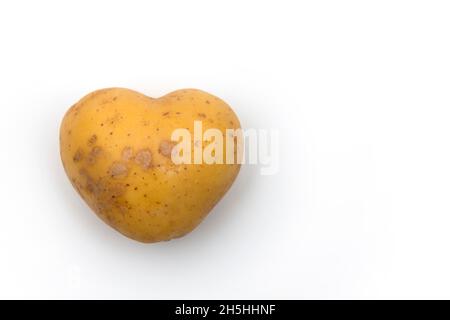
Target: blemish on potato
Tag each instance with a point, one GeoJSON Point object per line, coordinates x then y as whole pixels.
{"type": "Point", "coordinates": [106, 193]}
{"type": "Point", "coordinates": [144, 158]}
{"type": "Point", "coordinates": [78, 156]}
{"type": "Point", "coordinates": [92, 140]}
{"type": "Point", "coordinates": [201, 115]}
{"type": "Point", "coordinates": [94, 154]}
{"type": "Point", "coordinates": [127, 154]}
{"type": "Point", "coordinates": [118, 170]}
{"type": "Point", "coordinates": [92, 186]}
{"type": "Point", "coordinates": [165, 148]}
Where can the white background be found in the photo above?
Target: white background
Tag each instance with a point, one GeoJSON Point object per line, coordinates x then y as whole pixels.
{"type": "Point", "coordinates": [359, 91]}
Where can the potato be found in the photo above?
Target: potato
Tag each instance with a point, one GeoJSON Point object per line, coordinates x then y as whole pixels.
{"type": "Point", "coordinates": [116, 149]}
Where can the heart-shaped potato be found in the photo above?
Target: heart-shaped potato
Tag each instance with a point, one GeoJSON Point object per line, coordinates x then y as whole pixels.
{"type": "Point", "coordinates": [117, 151]}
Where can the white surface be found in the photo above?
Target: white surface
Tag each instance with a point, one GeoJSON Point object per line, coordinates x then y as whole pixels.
{"type": "Point", "coordinates": [358, 89]}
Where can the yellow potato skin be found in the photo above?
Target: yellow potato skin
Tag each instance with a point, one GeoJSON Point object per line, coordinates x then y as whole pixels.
{"type": "Point", "coordinates": [113, 146]}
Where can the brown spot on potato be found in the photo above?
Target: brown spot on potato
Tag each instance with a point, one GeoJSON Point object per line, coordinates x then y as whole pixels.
{"type": "Point", "coordinates": [92, 186]}
{"type": "Point", "coordinates": [201, 115]}
{"type": "Point", "coordinates": [78, 156]}
{"type": "Point", "coordinates": [118, 170]}
{"type": "Point", "coordinates": [106, 193]}
{"type": "Point", "coordinates": [166, 113]}
{"type": "Point", "coordinates": [127, 154]}
{"type": "Point", "coordinates": [144, 158]}
{"type": "Point", "coordinates": [92, 140]}
{"type": "Point", "coordinates": [94, 154]}
{"type": "Point", "coordinates": [165, 148]}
